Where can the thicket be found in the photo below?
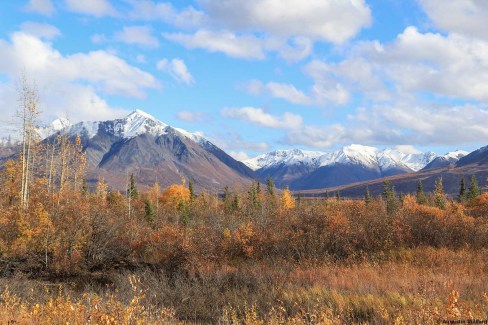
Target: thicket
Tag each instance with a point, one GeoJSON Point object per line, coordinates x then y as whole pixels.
{"type": "Point", "coordinates": [227, 249]}
{"type": "Point", "coordinates": [152, 255]}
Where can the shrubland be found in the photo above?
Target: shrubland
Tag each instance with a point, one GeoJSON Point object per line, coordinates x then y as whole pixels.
{"type": "Point", "coordinates": [255, 256]}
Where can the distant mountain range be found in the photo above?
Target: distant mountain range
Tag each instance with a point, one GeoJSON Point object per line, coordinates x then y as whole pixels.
{"type": "Point", "coordinates": [300, 169]}
{"type": "Point", "coordinates": [155, 151]}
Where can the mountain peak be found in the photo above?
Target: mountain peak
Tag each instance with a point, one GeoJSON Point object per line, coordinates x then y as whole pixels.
{"type": "Point", "coordinates": [137, 113]}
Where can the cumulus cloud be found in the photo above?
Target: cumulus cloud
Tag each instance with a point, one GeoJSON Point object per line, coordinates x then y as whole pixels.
{"type": "Point", "coordinates": [239, 155]}
{"type": "Point", "coordinates": [165, 11]}
{"type": "Point", "coordinates": [191, 117]}
{"type": "Point", "coordinates": [462, 17]}
{"type": "Point", "coordinates": [234, 141]}
{"type": "Point", "coordinates": [72, 84]}
{"type": "Point", "coordinates": [177, 70]}
{"type": "Point", "coordinates": [451, 66]}
{"type": "Point", "coordinates": [40, 30]}
{"type": "Point", "coordinates": [137, 35]}
{"type": "Point", "coordinates": [43, 7]}
{"type": "Point", "coordinates": [97, 8]}
{"type": "Point", "coordinates": [329, 20]}
{"type": "Point", "coordinates": [259, 117]}
{"type": "Point", "coordinates": [246, 46]}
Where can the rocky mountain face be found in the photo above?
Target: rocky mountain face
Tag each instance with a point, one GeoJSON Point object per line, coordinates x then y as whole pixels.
{"type": "Point", "coordinates": [154, 151]}
{"type": "Point", "coordinates": [301, 170]}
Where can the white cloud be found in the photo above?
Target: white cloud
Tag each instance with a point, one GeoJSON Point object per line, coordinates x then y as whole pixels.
{"type": "Point", "coordinates": [239, 155]}
{"type": "Point", "coordinates": [288, 92]}
{"type": "Point", "coordinates": [73, 84]}
{"type": "Point", "coordinates": [451, 66]}
{"type": "Point", "coordinates": [137, 35]}
{"type": "Point", "coordinates": [246, 46]}
{"type": "Point", "coordinates": [140, 58]}
{"type": "Point", "coordinates": [330, 20]}
{"type": "Point", "coordinates": [233, 141]}
{"type": "Point", "coordinates": [40, 30]}
{"type": "Point", "coordinates": [467, 17]}
{"type": "Point", "coordinates": [191, 117]}
{"type": "Point", "coordinates": [164, 11]}
{"type": "Point", "coordinates": [97, 8]}
{"type": "Point", "coordinates": [315, 136]}
{"type": "Point", "coordinates": [259, 117]}
{"type": "Point", "coordinates": [177, 70]}
{"type": "Point", "coordinates": [99, 38]}
{"type": "Point", "coordinates": [43, 7]}
{"type": "Point", "coordinates": [408, 149]}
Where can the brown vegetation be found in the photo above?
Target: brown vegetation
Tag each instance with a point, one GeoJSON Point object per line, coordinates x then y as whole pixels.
{"type": "Point", "coordinates": [72, 255]}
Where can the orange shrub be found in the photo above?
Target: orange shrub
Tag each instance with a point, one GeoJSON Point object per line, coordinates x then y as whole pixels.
{"type": "Point", "coordinates": [174, 195]}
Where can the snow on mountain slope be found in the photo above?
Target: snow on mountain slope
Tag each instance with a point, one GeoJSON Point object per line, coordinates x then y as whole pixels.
{"type": "Point", "coordinates": [287, 157]}
{"type": "Point", "coordinates": [55, 126]}
{"type": "Point", "coordinates": [456, 155]}
{"type": "Point", "coordinates": [136, 123]}
{"type": "Point", "coordinates": [354, 154]}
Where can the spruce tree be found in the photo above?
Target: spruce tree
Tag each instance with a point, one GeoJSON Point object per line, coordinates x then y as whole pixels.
{"type": "Point", "coordinates": [474, 189]}
{"type": "Point", "coordinates": [387, 192]}
{"type": "Point", "coordinates": [367, 196]}
{"type": "Point", "coordinates": [132, 190]}
{"type": "Point", "coordinates": [421, 199]}
{"type": "Point", "coordinates": [84, 187]}
{"type": "Point", "coordinates": [192, 190]}
{"type": "Point", "coordinates": [439, 196]}
{"type": "Point", "coordinates": [226, 195]}
{"type": "Point", "coordinates": [270, 186]}
{"type": "Point", "coordinates": [462, 190]}
{"type": "Point", "coordinates": [235, 203]}
{"type": "Point", "coordinates": [149, 211]}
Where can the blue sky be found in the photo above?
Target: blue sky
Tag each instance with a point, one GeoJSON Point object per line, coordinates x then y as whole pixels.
{"type": "Point", "coordinates": [259, 75]}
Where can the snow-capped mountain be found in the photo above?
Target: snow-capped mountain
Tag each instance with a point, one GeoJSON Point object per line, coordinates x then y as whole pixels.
{"type": "Point", "coordinates": [152, 150]}
{"type": "Point", "coordinates": [300, 169]}
{"type": "Point", "coordinates": [447, 160]}
{"type": "Point", "coordinates": [353, 154]}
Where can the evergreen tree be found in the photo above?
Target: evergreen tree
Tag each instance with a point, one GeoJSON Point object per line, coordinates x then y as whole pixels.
{"type": "Point", "coordinates": [338, 195]}
{"type": "Point", "coordinates": [149, 211]}
{"type": "Point", "coordinates": [253, 195]}
{"type": "Point", "coordinates": [226, 195]}
{"type": "Point", "coordinates": [390, 198]}
{"type": "Point", "coordinates": [270, 186]}
{"type": "Point", "coordinates": [132, 190]}
{"type": "Point", "coordinates": [421, 199]}
{"type": "Point", "coordinates": [474, 189]}
{"type": "Point", "coordinates": [387, 192]}
{"type": "Point", "coordinates": [439, 196]}
{"type": "Point", "coordinates": [367, 196]}
{"type": "Point", "coordinates": [84, 187]}
{"type": "Point", "coordinates": [192, 191]}
{"type": "Point", "coordinates": [235, 203]}
{"type": "Point", "coordinates": [462, 190]}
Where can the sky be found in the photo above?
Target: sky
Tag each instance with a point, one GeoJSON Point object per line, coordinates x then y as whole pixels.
{"type": "Point", "coordinates": [259, 75]}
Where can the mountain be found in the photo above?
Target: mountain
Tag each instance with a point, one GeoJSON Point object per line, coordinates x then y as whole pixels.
{"type": "Point", "coordinates": [459, 165]}
{"type": "Point", "coordinates": [153, 151]}
{"type": "Point", "coordinates": [448, 160]}
{"type": "Point", "coordinates": [301, 169]}
{"type": "Point", "coordinates": [477, 157]}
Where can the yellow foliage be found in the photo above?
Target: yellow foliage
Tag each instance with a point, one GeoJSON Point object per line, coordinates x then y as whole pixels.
{"type": "Point", "coordinates": [175, 194]}
{"type": "Point", "coordinates": [287, 201]}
